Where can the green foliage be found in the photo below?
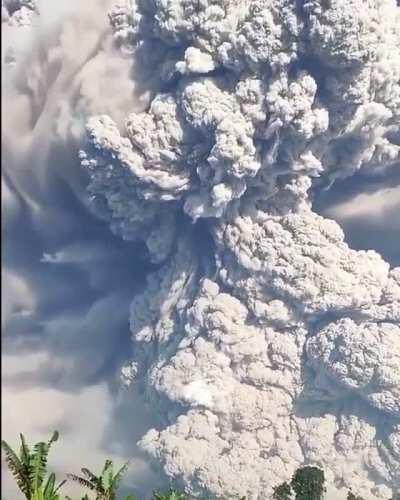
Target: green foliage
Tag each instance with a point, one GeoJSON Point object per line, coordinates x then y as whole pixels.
{"type": "Point", "coordinates": [282, 492]}
{"type": "Point", "coordinates": [308, 483]}
{"type": "Point", "coordinates": [352, 496]}
{"type": "Point", "coordinates": [19, 468]}
{"type": "Point", "coordinates": [170, 495]}
{"type": "Point", "coordinates": [30, 468]}
{"type": "Point", "coordinates": [105, 485]}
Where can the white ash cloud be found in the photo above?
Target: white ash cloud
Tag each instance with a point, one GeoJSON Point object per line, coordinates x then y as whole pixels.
{"type": "Point", "coordinates": [18, 12]}
{"type": "Point", "coordinates": [253, 106]}
{"type": "Point", "coordinates": [278, 345]}
{"type": "Point", "coordinates": [361, 357]}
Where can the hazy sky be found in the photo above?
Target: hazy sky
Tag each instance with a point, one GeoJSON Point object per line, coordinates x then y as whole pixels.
{"type": "Point", "coordinates": [67, 281]}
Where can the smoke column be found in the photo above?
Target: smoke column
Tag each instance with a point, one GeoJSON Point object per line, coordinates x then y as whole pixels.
{"type": "Point", "coordinates": [261, 339]}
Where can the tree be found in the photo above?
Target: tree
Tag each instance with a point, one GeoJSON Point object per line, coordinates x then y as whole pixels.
{"type": "Point", "coordinates": [30, 468]}
{"type": "Point", "coordinates": [308, 483]}
{"type": "Point", "coordinates": [105, 485]}
{"type": "Point", "coordinates": [352, 496]}
{"type": "Point", "coordinates": [282, 492]}
{"type": "Point", "coordinates": [171, 494]}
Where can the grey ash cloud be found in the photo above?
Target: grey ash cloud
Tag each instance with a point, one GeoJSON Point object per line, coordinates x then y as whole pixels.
{"type": "Point", "coordinates": [258, 107]}
{"type": "Point", "coordinates": [261, 339]}
{"type": "Point", "coordinates": [67, 281]}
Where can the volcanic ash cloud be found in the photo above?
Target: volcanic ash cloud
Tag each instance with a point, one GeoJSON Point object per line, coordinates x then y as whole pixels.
{"type": "Point", "coordinates": [262, 340]}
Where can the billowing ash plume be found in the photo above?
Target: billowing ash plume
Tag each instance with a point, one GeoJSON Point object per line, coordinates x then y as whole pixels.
{"type": "Point", "coordinates": [262, 340]}
{"type": "Point", "coordinates": [18, 12]}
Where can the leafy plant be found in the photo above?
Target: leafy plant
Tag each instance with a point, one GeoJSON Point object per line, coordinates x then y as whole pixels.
{"type": "Point", "coordinates": [308, 483]}
{"type": "Point", "coordinates": [352, 496]}
{"type": "Point", "coordinates": [170, 495]}
{"type": "Point", "coordinates": [30, 468]}
{"type": "Point", "coordinates": [105, 485]}
{"type": "Point", "coordinates": [282, 492]}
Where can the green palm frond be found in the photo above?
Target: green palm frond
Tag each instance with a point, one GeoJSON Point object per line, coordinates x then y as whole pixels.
{"type": "Point", "coordinates": [89, 474]}
{"type": "Point", "coordinates": [11, 458]}
{"type": "Point", "coordinates": [37, 494]}
{"type": "Point", "coordinates": [107, 476]}
{"type": "Point", "coordinates": [25, 458]}
{"type": "Point", "coordinates": [108, 464]}
{"type": "Point", "coordinates": [19, 470]}
{"type": "Point", "coordinates": [60, 485]}
{"type": "Point", "coordinates": [53, 438]}
{"type": "Point", "coordinates": [49, 487]}
{"type": "Point", "coordinates": [38, 464]}
{"type": "Point", "coordinates": [170, 495]}
{"type": "Point", "coordinates": [95, 480]}
{"type": "Point", "coordinates": [104, 485]}
{"type": "Point", "coordinates": [116, 480]}
{"type": "Point", "coordinates": [38, 459]}
{"type": "Point", "coordinates": [24, 452]}
{"type": "Point", "coordinates": [30, 469]}
{"type": "Point", "coordinates": [83, 482]}
{"type": "Point", "coordinates": [100, 487]}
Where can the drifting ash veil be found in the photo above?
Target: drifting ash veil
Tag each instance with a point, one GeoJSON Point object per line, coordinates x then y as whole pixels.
{"type": "Point", "coordinates": [261, 340]}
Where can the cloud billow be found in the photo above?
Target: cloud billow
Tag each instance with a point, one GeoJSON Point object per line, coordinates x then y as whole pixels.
{"type": "Point", "coordinates": [261, 339]}
{"type": "Point", "coordinates": [258, 105]}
